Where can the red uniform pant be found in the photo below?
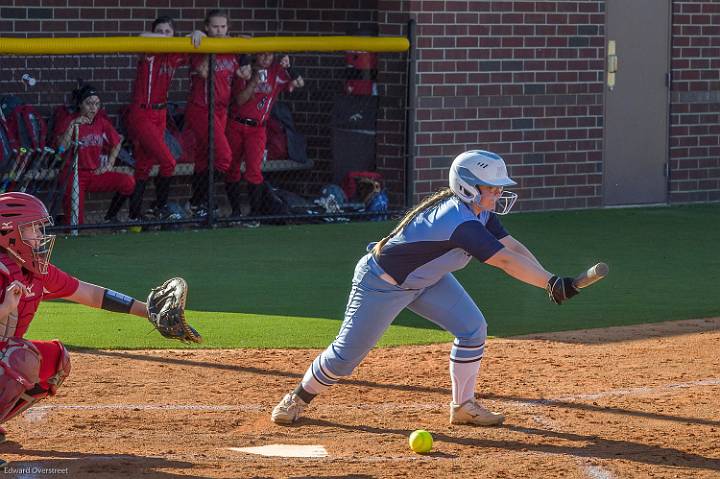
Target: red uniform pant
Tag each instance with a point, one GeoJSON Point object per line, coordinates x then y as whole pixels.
{"type": "Point", "coordinates": [50, 352]}
{"type": "Point", "coordinates": [248, 145]}
{"type": "Point", "coordinates": [196, 120]}
{"type": "Point", "coordinates": [88, 181]}
{"type": "Point", "coordinates": [146, 130]}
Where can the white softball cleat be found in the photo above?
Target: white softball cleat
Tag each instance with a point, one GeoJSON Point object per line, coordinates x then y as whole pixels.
{"type": "Point", "coordinates": [288, 410]}
{"type": "Point", "coordinates": [470, 412]}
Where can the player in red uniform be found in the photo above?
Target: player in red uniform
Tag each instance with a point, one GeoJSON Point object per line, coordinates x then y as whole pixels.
{"type": "Point", "coordinates": [252, 102]}
{"type": "Point", "coordinates": [33, 370]}
{"type": "Point", "coordinates": [196, 113]}
{"type": "Point", "coordinates": [146, 119]}
{"type": "Point", "coordinates": [94, 134]}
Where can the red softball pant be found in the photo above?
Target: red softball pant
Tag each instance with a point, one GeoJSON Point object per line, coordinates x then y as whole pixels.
{"type": "Point", "coordinates": [196, 119]}
{"type": "Point", "coordinates": [90, 182]}
{"type": "Point", "coordinates": [146, 130]}
{"type": "Point", "coordinates": [248, 145]}
{"type": "Point", "coordinates": [50, 357]}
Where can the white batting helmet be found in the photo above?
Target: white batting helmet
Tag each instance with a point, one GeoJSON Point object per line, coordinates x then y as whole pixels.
{"type": "Point", "coordinates": [481, 168]}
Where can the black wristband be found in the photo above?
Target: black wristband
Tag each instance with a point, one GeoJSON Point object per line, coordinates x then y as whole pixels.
{"type": "Point", "coordinates": [116, 302]}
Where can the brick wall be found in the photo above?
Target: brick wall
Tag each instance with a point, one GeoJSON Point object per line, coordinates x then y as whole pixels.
{"type": "Point", "coordinates": [523, 79]}
{"type": "Point", "coordinates": [393, 17]}
{"type": "Point", "coordinates": [113, 74]}
{"type": "Point", "coordinates": [695, 102]}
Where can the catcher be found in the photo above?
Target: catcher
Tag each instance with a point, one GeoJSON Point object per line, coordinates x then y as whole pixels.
{"type": "Point", "coordinates": [33, 370]}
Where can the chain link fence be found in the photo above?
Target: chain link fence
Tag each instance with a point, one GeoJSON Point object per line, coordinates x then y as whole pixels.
{"type": "Point", "coordinates": [314, 156]}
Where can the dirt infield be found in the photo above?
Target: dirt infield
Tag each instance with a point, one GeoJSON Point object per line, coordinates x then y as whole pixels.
{"type": "Point", "coordinates": [615, 403]}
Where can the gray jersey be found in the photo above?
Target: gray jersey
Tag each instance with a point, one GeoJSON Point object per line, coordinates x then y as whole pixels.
{"type": "Point", "coordinates": [438, 241]}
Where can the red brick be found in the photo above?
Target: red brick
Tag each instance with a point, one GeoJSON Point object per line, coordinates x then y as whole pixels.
{"type": "Point", "coordinates": [501, 30]}
{"type": "Point", "coordinates": [28, 26]}
{"type": "Point", "coordinates": [445, 18]}
{"type": "Point", "coordinates": [431, 30]}
{"type": "Point", "coordinates": [53, 26]}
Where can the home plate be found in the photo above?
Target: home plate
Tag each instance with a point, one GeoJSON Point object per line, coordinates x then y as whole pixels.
{"type": "Point", "coordinates": [285, 450]}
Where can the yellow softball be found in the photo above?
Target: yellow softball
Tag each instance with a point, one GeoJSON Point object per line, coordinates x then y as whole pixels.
{"type": "Point", "coordinates": [421, 441]}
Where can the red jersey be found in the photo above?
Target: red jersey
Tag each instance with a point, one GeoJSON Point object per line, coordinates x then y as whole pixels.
{"type": "Point", "coordinates": [55, 284]}
{"type": "Point", "coordinates": [258, 106]}
{"type": "Point", "coordinates": [225, 67]}
{"type": "Point", "coordinates": [154, 75]}
{"type": "Point", "coordinates": [93, 137]}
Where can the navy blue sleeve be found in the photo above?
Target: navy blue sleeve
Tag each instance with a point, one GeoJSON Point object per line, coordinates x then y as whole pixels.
{"type": "Point", "coordinates": [475, 238]}
{"type": "Point", "coordinates": [495, 227]}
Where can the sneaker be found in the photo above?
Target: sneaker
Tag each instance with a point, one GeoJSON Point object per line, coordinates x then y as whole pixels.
{"type": "Point", "coordinates": [470, 412]}
{"type": "Point", "coordinates": [201, 211]}
{"type": "Point", "coordinates": [244, 223]}
{"type": "Point", "coordinates": [198, 211]}
{"type": "Point", "coordinates": [166, 214]}
{"type": "Point", "coordinates": [3, 432]}
{"type": "Point", "coordinates": [288, 410]}
{"type": "Point", "coordinates": [239, 219]}
{"type": "Point", "coordinates": [170, 216]}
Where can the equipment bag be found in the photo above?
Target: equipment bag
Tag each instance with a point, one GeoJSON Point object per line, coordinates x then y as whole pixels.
{"type": "Point", "coordinates": [350, 183]}
{"type": "Point", "coordinates": [26, 127]}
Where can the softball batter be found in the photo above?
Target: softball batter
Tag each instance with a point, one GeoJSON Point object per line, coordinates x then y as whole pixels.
{"type": "Point", "coordinates": [412, 268]}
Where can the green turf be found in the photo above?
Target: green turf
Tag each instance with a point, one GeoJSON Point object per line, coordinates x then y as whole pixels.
{"type": "Point", "coordinates": [287, 286]}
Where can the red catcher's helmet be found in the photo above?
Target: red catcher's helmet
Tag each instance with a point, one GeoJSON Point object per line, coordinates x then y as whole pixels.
{"type": "Point", "coordinates": [22, 231]}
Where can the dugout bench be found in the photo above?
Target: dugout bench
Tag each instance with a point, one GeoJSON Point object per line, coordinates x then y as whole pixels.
{"type": "Point", "coordinates": [96, 203]}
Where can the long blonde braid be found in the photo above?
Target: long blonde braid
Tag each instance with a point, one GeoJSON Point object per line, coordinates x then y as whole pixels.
{"type": "Point", "coordinates": [425, 204]}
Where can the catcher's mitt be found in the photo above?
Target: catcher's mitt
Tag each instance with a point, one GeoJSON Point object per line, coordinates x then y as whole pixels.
{"type": "Point", "coordinates": [166, 311]}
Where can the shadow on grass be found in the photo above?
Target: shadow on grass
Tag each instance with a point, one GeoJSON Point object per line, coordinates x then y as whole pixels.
{"type": "Point", "coordinates": [405, 387]}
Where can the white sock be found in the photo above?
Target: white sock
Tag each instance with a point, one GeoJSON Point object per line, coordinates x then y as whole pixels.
{"type": "Point", "coordinates": [312, 385]}
{"type": "Point", "coordinates": [464, 376]}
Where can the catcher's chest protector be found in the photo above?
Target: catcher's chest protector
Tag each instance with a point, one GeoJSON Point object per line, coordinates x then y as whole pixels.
{"type": "Point", "coordinates": [18, 321]}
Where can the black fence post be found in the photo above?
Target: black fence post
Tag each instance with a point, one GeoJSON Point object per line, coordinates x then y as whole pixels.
{"type": "Point", "coordinates": [211, 141]}
{"type": "Point", "coordinates": [410, 106]}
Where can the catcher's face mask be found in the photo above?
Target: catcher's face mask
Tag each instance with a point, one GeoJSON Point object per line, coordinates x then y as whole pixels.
{"type": "Point", "coordinates": [23, 219]}
{"type": "Point", "coordinates": [40, 244]}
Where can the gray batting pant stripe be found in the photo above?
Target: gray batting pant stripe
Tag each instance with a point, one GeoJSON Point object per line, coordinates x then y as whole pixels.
{"type": "Point", "coordinates": [374, 304]}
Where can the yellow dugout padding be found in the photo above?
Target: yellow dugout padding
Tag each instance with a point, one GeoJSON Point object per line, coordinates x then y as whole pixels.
{"type": "Point", "coordinates": [89, 45]}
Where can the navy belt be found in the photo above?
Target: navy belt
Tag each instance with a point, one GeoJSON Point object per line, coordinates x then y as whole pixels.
{"type": "Point", "coordinates": [248, 121]}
